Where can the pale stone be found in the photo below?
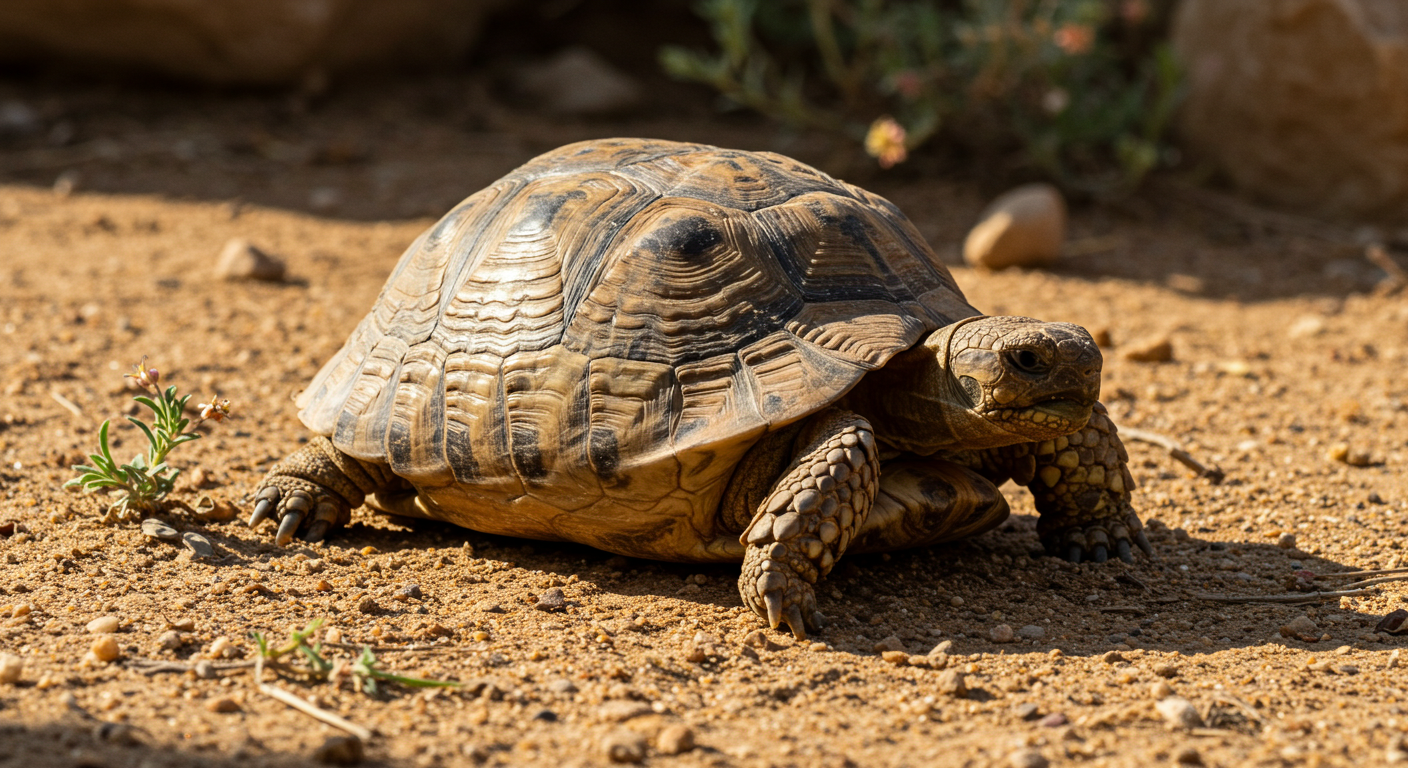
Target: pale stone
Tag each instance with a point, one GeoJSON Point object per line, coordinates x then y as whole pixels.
{"type": "Point", "coordinates": [1022, 228]}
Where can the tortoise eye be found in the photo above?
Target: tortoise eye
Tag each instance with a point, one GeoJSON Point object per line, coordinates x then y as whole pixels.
{"type": "Point", "coordinates": [1028, 361]}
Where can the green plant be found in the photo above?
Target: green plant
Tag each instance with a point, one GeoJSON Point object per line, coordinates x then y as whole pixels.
{"type": "Point", "coordinates": [1083, 88]}
{"type": "Point", "coordinates": [142, 484]}
{"type": "Point", "coordinates": [362, 671]}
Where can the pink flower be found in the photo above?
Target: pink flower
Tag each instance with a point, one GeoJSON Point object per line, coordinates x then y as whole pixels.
{"type": "Point", "coordinates": [1134, 12]}
{"type": "Point", "coordinates": [145, 377]}
{"type": "Point", "coordinates": [885, 142]}
{"type": "Point", "coordinates": [1074, 39]}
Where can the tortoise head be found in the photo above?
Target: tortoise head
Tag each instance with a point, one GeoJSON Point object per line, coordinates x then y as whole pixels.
{"type": "Point", "coordinates": [985, 382]}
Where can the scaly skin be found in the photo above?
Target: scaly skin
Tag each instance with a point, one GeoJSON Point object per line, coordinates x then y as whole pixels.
{"type": "Point", "coordinates": [810, 517]}
{"type": "Point", "coordinates": [320, 479]}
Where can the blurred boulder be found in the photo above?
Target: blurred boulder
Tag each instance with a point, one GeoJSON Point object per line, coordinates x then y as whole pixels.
{"type": "Point", "coordinates": [244, 42]}
{"type": "Point", "coordinates": [1301, 102]}
{"type": "Point", "coordinates": [1023, 227]}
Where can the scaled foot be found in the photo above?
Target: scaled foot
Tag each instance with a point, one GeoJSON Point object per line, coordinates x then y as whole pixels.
{"type": "Point", "coordinates": [314, 489]}
{"type": "Point", "coordinates": [811, 516]}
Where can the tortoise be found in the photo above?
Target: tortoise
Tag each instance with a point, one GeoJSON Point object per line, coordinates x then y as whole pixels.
{"type": "Point", "coordinates": [681, 352]}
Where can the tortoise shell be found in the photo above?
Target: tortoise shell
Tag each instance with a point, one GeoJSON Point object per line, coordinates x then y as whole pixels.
{"type": "Point", "coordinates": [584, 350]}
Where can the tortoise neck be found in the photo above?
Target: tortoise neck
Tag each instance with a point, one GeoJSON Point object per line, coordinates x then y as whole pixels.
{"type": "Point", "coordinates": [911, 403]}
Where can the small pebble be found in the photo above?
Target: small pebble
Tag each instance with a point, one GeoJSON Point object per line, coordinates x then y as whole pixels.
{"type": "Point", "coordinates": [1027, 711]}
{"type": "Point", "coordinates": [952, 683]}
{"type": "Point", "coordinates": [1347, 454]}
{"type": "Point", "coordinates": [313, 566]}
{"type": "Point", "coordinates": [323, 585]}
{"type": "Point", "coordinates": [675, 739]}
{"type": "Point", "coordinates": [1395, 623]}
{"type": "Point", "coordinates": [623, 746]}
{"type": "Point", "coordinates": [622, 710]}
{"type": "Point", "coordinates": [159, 530]}
{"type": "Point", "coordinates": [222, 704]}
{"type": "Point", "coordinates": [332, 635]}
{"type": "Point", "coordinates": [408, 592]}
{"type": "Point", "coordinates": [11, 668]}
{"type": "Point", "coordinates": [204, 670]}
{"type": "Point", "coordinates": [955, 601]}
{"type": "Point", "coordinates": [368, 606]}
{"type": "Point", "coordinates": [1156, 350]}
{"type": "Point", "coordinates": [898, 658]}
{"type": "Point", "coordinates": [1031, 632]}
{"type": "Point", "coordinates": [169, 640]}
{"type": "Point", "coordinates": [1166, 670]}
{"type": "Point", "coordinates": [551, 600]}
{"type": "Point", "coordinates": [1301, 628]}
{"type": "Point", "coordinates": [199, 546]}
{"type": "Point", "coordinates": [1001, 634]}
{"type": "Point", "coordinates": [241, 260]}
{"type": "Point", "coordinates": [945, 646]}
{"type": "Point", "coordinates": [1161, 690]}
{"type": "Point", "coordinates": [1054, 720]}
{"type": "Point", "coordinates": [1286, 541]}
{"type": "Point", "coordinates": [340, 750]}
{"type": "Point", "coordinates": [105, 648]}
{"type": "Point", "coordinates": [562, 685]}
{"type": "Point", "coordinates": [103, 625]}
{"type": "Point", "coordinates": [219, 648]}
{"type": "Point", "coordinates": [1179, 712]}
{"type": "Point", "coordinates": [488, 606]}
{"type": "Point", "coordinates": [1027, 758]}
{"type": "Point", "coordinates": [891, 643]}
{"type": "Point", "coordinates": [1112, 657]}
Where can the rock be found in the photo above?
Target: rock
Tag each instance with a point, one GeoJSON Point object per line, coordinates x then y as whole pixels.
{"type": "Point", "coordinates": [1021, 228]}
{"type": "Point", "coordinates": [408, 592]}
{"type": "Point", "coordinates": [249, 42]}
{"type": "Point", "coordinates": [1155, 350]}
{"type": "Point", "coordinates": [1001, 634]}
{"type": "Point", "coordinates": [1112, 657]}
{"type": "Point", "coordinates": [674, 739]}
{"type": "Point", "coordinates": [220, 647]}
{"type": "Point", "coordinates": [241, 260]}
{"type": "Point", "coordinates": [1161, 690]}
{"type": "Point", "coordinates": [1031, 632]}
{"type": "Point", "coordinates": [1286, 541]}
{"type": "Point", "coordinates": [1027, 758]}
{"type": "Point", "coordinates": [943, 647]}
{"type": "Point", "coordinates": [105, 648]}
{"type": "Point", "coordinates": [224, 704]}
{"type": "Point", "coordinates": [11, 668]}
{"type": "Point", "coordinates": [488, 606]}
{"type": "Point", "coordinates": [623, 746]}
{"type": "Point", "coordinates": [898, 658]}
{"type": "Point", "coordinates": [1347, 454]}
{"type": "Point", "coordinates": [577, 81]}
{"type": "Point", "coordinates": [551, 600]}
{"type": "Point", "coordinates": [952, 683]}
{"type": "Point", "coordinates": [1301, 628]}
{"type": "Point", "coordinates": [169, 640]}
{"type": "Point", "coordinates": [1188, 755]}
{"type": "Point", "coordinates": [1395, 623]}
{"type": "Point", "coordinates": [1179, 712]}
{"type": "Point", "coordinates": [562, 685]}
{"type": "Point", "coordinates": [103, 625]}
{"type": "Point", "coordinates": [199, 546]}
{"type": "Point", "coordinates": [204, 670]}
{"type": "Point", "coordinates": [1027, 711]}
{"type": "Point", "coordinates": [211, 511]}
{"type": "Point", "coordinates": [891, 643]}
{"type": "Point", "coordinates": [340, 750]}
{"type": "Point", "coordinates": [1054, 720]}
{"type": "Point", "coordinates": [1303, 102]}
{"type": "Point", "coordinates": [158, 529]}
{"type": "Point", "coordinates": [369, 606]}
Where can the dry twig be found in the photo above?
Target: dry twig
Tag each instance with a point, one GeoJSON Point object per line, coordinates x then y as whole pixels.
{"type": "Point", "coordinates": [1397, 277]}
{"type": "Point", "coordinates": [307, 708]}
{"type": "Point", "coordinates": [1176, 451]}
{"type": "Point", "coordinates": [68, 404]}
{"type": "Point", "coordinates": [1295, 597]}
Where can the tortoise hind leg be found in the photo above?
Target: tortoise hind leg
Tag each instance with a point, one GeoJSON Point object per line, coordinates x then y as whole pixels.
{"type": "Point", "coordinates": [926, 501]}
{"type": "Point", "coordinates": [809, 517]}
{"type": "Point", "coordinates": [316, 488]}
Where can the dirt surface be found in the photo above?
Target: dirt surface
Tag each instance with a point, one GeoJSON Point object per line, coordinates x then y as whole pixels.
{"type": "Point", "coordinates": [1281, 350]}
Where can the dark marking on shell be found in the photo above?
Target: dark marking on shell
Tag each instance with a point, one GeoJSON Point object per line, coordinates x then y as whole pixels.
{"type": "Point", "coordinates": [527, 456]}
{"type": "Point", "coordinates": [605, 455]}
{"type": "Point", "coordinates": [459, 452]}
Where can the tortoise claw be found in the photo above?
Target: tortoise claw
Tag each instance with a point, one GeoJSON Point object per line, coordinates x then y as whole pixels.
{"type": "Point", "coordinates": [1074, 553]}
{"type": "Point", "coordinates": [773, 601]}
{"type": "Point", "coordinates": [795, 622]}
{"type": "Point", "coordinates": [1143, 542]}
{"type": "Point", "coordinates": [316, 531]}
{"type": "Point", "coordinates": [1122, 549]}
{"type": "Point", "coordinates": [287, 526]}
{"type": "Point", "coordinates": [1100, 554]}
{"type": "Point", "coordinates": [262, 511]}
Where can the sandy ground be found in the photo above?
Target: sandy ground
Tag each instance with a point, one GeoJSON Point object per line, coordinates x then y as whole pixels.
{"type": "Point", "coordinates": [1281, 351]}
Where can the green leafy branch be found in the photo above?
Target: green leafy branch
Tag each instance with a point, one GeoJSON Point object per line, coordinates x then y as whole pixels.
{"type": "Point", "coordinates": [362, 671]}
{"type": "Point", "coordinates": [142, 484]}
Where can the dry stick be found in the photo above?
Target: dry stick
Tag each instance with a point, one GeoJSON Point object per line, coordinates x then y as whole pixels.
{"type": "Point", "coordinates": [157, 666]}
{"type": "Point", "coordinates": [1375, 572]}
{"type": "Point", "coordinates": [317, 713]}
{"type": "Point", "coordinates": [1304, 597]}
{"type": "Point", "coordinates": [398, 648]}
{"type": "Point", "coordinates": [66, 403]}
{"type": "Point", "coordinates": [1372, 582]}
{"type": "Point", "coordinates": [1227, 698]}
{"type": "Point", "coordinates": [1176, 451]}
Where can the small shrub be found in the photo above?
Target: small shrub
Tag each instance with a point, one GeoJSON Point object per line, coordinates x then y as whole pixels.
{"type": "Point", "coordinates": [1083, 88]}
{"type": "Point", "coordinates": [141, 485]}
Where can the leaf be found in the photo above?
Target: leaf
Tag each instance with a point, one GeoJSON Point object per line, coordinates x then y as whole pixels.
{"type": "Point", "coordinates": [145, 429]}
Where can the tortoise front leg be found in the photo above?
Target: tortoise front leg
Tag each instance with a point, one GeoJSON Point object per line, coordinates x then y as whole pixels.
{"type": "Point", "coordinates": [1082, 487]}
{"type": "Point", "coordinates": [317, 479]}
{"type": "Point", "coordinates": [808, 519]}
